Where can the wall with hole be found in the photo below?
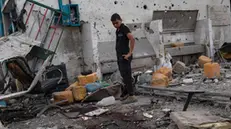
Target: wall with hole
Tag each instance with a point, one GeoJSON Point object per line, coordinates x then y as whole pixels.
{"type": "Point", "coordinates": [135, 11]}
{"type": "Point", "coordinates": [132, 12]}
{"type": "Point", "coordinates": [96, 14]}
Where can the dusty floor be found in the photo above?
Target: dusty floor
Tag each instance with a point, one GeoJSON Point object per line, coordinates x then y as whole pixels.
{"type": "Point", "coordinates": [131, 116]}
{"type": "Point", "coordinates": [120, 116]}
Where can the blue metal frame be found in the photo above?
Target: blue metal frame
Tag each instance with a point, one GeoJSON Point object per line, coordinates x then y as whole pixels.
{"type": "Point", "coordinates": [67, 19]}
{"type": "Point", "coordinates": [1, 22]}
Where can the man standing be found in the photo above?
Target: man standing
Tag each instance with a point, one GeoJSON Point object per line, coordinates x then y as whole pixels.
{"type": "Point", "coordinates": [124, 52]}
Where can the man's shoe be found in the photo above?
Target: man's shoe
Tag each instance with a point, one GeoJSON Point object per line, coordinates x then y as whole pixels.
{"type": "Point", "coordinates": [130, 99]}
{"type": "Point", "coordinates": [124, 97]}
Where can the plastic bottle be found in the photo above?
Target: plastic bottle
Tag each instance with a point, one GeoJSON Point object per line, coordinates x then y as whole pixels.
{"type": "Point", "coordinates": [106, 101]}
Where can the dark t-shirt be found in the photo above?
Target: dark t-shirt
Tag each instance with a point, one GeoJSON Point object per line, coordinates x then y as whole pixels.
{"type": "Point", "coordinates": [122, 41]}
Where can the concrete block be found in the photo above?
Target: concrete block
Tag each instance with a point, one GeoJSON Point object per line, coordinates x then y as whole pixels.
{"type": "Point", "coordinates": [188, 81]}
{"type": "Point", "coordinates": [179, 67]}
{"type": "Point", "coordinates": [195, 119]}
{"type": "Point", "coordinates": [228, 75]}
{"type": "Point", "coordinates": [186, 50]}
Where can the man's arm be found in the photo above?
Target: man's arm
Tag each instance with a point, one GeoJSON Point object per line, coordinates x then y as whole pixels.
{"type": "Point", "coordinates": [132, 45]}
{"type": "Point", "coordinates": [132, 42]}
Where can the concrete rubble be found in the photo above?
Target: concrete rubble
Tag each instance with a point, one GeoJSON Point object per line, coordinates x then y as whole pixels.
{"type": "Point", "coordinates": [198, 120]}
{"type": "Point", "coordinates": [179, 67]}
{"type": "Point", "coordinates": [74, 83]}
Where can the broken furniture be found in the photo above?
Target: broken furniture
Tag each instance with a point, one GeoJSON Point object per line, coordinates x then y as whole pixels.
{"type": "Point", "coordinates": [20, 70]}
{"type": "Point", "coordinates": [55, 79]}
{"type": "Point", "coordinates": [189, 92]}
{"type": "Point", "coordinates": [32, 85]}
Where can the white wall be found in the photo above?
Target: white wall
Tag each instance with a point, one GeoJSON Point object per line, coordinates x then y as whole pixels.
{"type": "Point", "coordinates": [98, 12]}
{"type": "Point", "coordinates": [132, 11]}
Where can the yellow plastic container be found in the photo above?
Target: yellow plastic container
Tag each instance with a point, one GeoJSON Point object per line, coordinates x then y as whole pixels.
{"type": "Point", "coordinates": [166, 71]}
{"type": "Point", "coordinates": [72, 85]}
{"type": "Point", "coordinates": [159, 79]}
{"type": "Point", "coordinates": [91, 78]}
{"type": "Point", "coordinates": [79, 93]}
{"type": "Point", "coordinates": [212, 70]}
{"type": "Point", "coordinates": [203, 60]}
{"type": "Point", "coordinates": [64, 95]}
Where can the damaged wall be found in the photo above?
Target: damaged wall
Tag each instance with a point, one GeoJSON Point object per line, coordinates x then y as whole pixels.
{"type": "Point", "coordinates": [96, 38]}
{"type": "Point", "coordinates": [133, 14]}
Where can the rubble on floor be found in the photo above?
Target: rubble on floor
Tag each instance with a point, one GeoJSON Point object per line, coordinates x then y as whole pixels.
{"type": "Point", "coordinates": [143, 114]}
{"type": "Point", "coordinates": [199, 120]}
{"type": "Point", "coordinates": [93, 103]}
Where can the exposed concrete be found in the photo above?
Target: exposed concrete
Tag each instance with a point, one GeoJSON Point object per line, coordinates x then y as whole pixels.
{"type": "Point", "coordinates": [183, 37]}
{"type": "Point", "coordinates": [102, 31]}
{"type": "Point", "coordinates": [108, 58]}
{"type": "Point", "coordinates": [201, 32]}
{"type": "Point", "coordinates": [87, 44]}
{"type": "Point", "coordinates": [69, 52]}
{"type": "Point", "coordinates": [177, 20]}
{"type": "Point", "coordinates": [219, 14]}
{"type": "Point", "coordinates": [194, 119]}
{"type": "Point", "coordinates": [186, 50]}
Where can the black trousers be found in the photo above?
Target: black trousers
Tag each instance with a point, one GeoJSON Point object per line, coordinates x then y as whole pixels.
{"type": "Point", "coordinates": [126, 73]}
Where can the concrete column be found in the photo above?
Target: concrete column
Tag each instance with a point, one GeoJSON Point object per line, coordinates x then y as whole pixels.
{"type": "Point", "coordinates": [153, 33]}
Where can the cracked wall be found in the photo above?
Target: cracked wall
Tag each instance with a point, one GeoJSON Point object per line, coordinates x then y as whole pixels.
{"type": "Point", "coordinates": [96, 43]}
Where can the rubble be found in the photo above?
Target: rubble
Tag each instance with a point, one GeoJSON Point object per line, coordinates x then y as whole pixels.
{"type": "Point", "coordinates": [3, 104]}
{"type": "Point", "coordinates": [193, 75]}
{"type": "Point", "coordinates": [83, 97]}
{"type": "Point", "coordinates": [188, 81]}
{"type": "Point", "coordinates": [166, 110]}
{"type": "Point", "coordinates": [1, 126]}
{"type": "Point", "coordinates": [145, 79]}
{"type": "Point", "coordinates": [55, 127]}
{"type": "Point", "coordinates": [228, 75]}
{"type": "Point", "coordinates": [96, 112]}
{"type": "Point", "coordinates": [216, 80]}
{"type": "Point", "coordinates": [147, 115]}
{"type": "Point", "coordinates": [198, 120]}
{"type": "Point", "coordinates": [179, 67]}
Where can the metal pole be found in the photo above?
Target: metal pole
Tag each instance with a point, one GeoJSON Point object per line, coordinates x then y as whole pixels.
{"type": "Point", "coordinates": [46, 32]}
{"type": "Point", "coordinates": [40, 26]}
{"type": "Point", "coordinates": [32, 6]}
{"type": "Point", "coordinates": [190, 95]}
{"type": "Point", "coordinates": [55, 28]}
{"type": "Point", "coordinates": [57, 43]}
{"type": "Point", "coordinates": [211, 39]}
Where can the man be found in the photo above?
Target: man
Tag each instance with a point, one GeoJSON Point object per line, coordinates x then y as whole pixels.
{"type": "Point", "coordinates": [124, 52]}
